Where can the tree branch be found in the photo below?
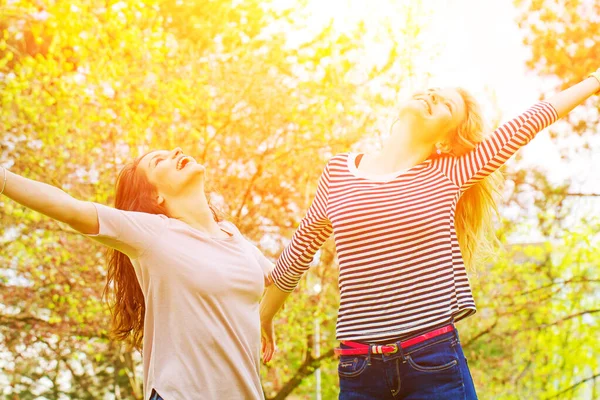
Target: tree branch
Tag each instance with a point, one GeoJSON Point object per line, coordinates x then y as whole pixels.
{"type": "Point", "coordinates": [573, 387]}
{"type": "Point", "coordinates": [557, 283]}
{"type": "Point", "coordinates": [480, 334]}
{"type": "Point", "coordinates": [307, 368]}
{"type": "Point", "coordinates": [568, 317]}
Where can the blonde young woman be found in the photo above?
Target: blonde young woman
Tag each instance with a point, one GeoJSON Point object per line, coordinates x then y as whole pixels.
{"type": "Point", "coordinates": [187, 285]}
{"type": "Point", "coordinates": [407, 220]}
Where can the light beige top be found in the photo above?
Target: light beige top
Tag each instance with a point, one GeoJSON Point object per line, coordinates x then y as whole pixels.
{"type": "Point", "coordinates": [202, 326]}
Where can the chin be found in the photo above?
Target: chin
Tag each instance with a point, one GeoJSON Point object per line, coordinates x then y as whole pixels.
{"type": "Point", "coordinates": [412, 110]}
{"type": "Point", "coordinates": [191, 173]}
{"type": "Point", "coordinates": [194, 176]}
{"type": "Point", "coordinates": [195, 168]}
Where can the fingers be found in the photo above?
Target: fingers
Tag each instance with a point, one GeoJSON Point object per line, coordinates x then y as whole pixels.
{"type": "Point", "coordinates": [268, 352]}
{"type": "Point", "coordinates": [268, 281]}
{"type": "Point", "coordinates": [268, 347]}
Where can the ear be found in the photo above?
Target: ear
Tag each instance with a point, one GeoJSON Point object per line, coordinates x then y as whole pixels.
{"type": "Point", "coordinates": [442, 147]}
{"type": "Point", "coordinates": [160, 200]}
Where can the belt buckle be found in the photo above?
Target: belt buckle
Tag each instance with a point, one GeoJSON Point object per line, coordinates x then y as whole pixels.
{"type": "Point", "coordinates": [395, 346]}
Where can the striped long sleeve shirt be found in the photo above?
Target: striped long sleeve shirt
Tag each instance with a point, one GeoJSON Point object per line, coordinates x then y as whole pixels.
{"type": "Point", "coordinates": [401, 269]}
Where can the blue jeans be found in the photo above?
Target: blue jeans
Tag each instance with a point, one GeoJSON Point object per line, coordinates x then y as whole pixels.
{"type": "Point", "coordinates": [433, 369]}
{"type": "Point", "coordinates": [155, 396]}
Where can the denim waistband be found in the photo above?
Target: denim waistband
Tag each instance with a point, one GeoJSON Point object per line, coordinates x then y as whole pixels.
{"type": "Point", "coordinates": [401, 352]}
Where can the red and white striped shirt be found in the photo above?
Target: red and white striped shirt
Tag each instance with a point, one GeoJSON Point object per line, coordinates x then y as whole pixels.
{"type": "Point", "coordinates": [401, 268]}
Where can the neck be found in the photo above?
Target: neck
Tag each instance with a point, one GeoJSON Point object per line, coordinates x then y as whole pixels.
{"type": "Point", "coordinates": [402, 149]}
{"type": "Point", "coordinates": [193, 209]}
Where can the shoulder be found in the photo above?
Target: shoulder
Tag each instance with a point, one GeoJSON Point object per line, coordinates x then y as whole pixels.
{"type": "Point", "coordinates": [338, 162]}
{"type": "Point", "coordinates": [339, 158]}
{"type": "Point", "coordinates": [229, 226]}
{"type": "Point", "coordinates": [106, 212]}
{"type": "Point", "coordinates": [443, 159]}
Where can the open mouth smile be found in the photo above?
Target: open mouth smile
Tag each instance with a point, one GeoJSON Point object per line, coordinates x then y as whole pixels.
{"type": "Point", "coordinates": [183, 161]}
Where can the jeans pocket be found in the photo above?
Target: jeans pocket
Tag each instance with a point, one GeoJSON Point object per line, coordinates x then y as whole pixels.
{"type": "Point", "coordinates": [351, 366]}
{"type": "Point", "coordinates": [437, 357]}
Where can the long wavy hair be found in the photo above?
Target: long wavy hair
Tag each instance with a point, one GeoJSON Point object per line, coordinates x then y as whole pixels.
{"type": "Point", "coordinates": [478, 204]}
{"type": "Point", "coordinates": [122, 292]}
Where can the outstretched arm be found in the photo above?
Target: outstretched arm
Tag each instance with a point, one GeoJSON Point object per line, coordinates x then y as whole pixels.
{"type": "Point", "coordinates": [505, 141]}
{"type": "Point", "coordinates": [51, 201]}
{"type": "Point", "coordinates": [570, 98]}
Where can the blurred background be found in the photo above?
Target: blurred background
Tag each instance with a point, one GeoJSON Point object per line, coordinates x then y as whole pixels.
{"type": "Point", "coordinates": [263, 93]}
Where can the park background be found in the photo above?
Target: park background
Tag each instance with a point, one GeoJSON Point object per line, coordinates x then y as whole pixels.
{"type": "Point", "coordinates": [263, 93]}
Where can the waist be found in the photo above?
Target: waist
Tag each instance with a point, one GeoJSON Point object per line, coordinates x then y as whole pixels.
{"type": "Point", "coordinates": [353, 348]}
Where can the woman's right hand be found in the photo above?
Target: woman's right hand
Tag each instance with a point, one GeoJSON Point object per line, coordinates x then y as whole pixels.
{"type": "Point", "coordinates": [271, 303]}
{"type": "Point", "coordinates": [267, 339]}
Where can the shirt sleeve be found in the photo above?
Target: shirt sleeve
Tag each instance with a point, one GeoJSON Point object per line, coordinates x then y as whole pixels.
{"type": "Point", "coordinates": [502, 144]}
{"type": "Point", "coordinates": [129, 232]}
{"type": "Point", "coordinates": [313, 231]}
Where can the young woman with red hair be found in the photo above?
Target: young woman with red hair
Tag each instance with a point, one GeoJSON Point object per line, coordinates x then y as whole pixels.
{"type": "Point", "coordinates": [408, 220]}
{"type": "Point", "coordinates": [186, 285]}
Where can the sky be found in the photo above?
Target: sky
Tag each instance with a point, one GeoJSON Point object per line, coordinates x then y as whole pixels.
{"type": "Point", "coordinates": [478, 42]}
{"type": "Point", "coordinates": [479, 46]}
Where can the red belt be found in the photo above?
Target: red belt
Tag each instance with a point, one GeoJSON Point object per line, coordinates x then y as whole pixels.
{"type": "Point", "coordinates": [361, 348]}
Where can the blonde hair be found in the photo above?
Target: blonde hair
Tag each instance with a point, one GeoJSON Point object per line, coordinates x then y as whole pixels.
{"type": "Point", "coordinates": [476, 207]}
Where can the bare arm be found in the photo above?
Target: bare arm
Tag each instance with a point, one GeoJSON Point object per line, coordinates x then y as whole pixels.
{"type": "Point", "coordinates": [270, 304]}
{"type": "Point", "coordinates": [51, 201]}
{"type": "Point", "coordinates": [506, 140]}
{"type": "Point", "coordinates": [570, 98]}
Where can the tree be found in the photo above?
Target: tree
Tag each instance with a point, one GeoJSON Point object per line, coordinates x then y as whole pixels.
{"type": "Point", "coordinates": [540, 300]}
{"type": "Point", "coordinates": [104, 81]}
{"type": "Point", "coordinates": [87, 86]}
